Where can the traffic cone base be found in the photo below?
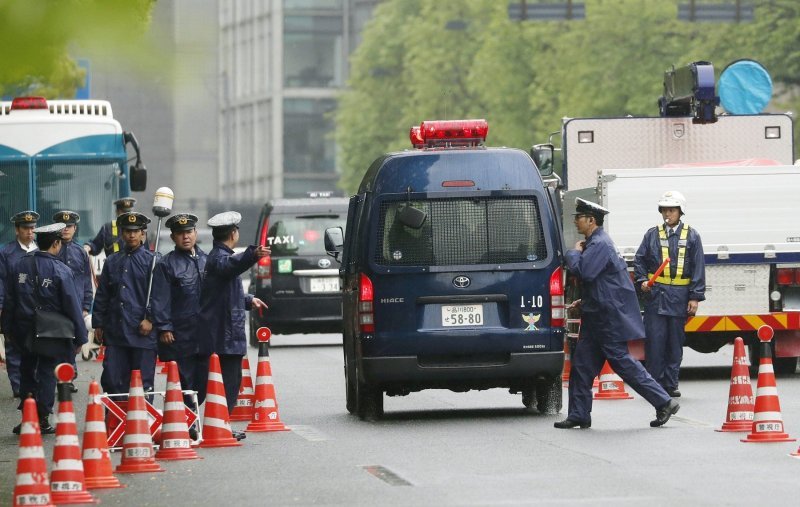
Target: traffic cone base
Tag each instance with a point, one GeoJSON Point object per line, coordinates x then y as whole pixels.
{"type": "Point", "coordinates": [611, 386]}
{"type": "Point", "coordinates": [216, 424]}
{"type": "Point", "coordinates": [741, 403]}
{"type": "Point", "coordinates": [32, 486]}
{"type": "Point", "coordinates": [175, 441]}
{"type": "Point", "coordinates": [137, 444]}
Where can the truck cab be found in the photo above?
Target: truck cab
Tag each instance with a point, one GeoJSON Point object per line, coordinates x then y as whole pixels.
{"type": "Point", "coordinates": [451, 273]}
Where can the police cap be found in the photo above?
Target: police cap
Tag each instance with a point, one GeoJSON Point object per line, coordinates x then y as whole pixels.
{"type": "Point", "coordinates": [50, 231]}
{"type": "Point", "coordinates": [225, 220]}
{"type": "Point", "coordinates": [182, 222]}
{"type": "Point", "coordinates": [584, 207]}
{"type": "Point", "coordinates": [66, 217]}
{"type": "Point", "coordinates": [132, 220]}
{"type": "Point", "coordinates": [125, 204]}
{"type": "Point", "coordinates": [25, 218]}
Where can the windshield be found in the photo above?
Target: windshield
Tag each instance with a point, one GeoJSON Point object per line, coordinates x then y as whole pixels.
{"type": "Point", "coordinates": [462, 231]}
{"type": "Point", "coordinates": [300, 234]}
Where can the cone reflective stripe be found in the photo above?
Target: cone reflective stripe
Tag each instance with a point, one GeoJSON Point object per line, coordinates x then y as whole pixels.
{"type": "Point", "coordinates": [216, 425]}
{"type": "Point", "coordinates": [175, 441]}
{"type": "Point", "coordinates": [767, 421]}
{"type": "Point", "coordinates": [243, 411]}
{"type": "Point", "coordinates": [137, 444]}
{"type": "Point", "coordinates": [265, 413]}
{"type": "Point", "coordinates": [67, 480]}
{"type": "Point", "coordinates": [32, 486]}
{"type": "Point", "coordinates": [740, 396]}
{"type": "Point", "coordinates": [97, 469]}
{"type": "Point", "coordinates": [611, 386]}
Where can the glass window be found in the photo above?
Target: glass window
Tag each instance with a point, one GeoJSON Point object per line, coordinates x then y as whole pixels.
{"type": "Point", "coordinates": [297, 187]}
{"type": "Point", "coordinates": [308, 145]}
{"type": "Point", "coordinates": [300, 234]}
{"type": "Point", "coordinates": [289, 5]}
{"type": "Point", "coordinates": [14, 195]}
{"type": "Point", "coordinates": [312, 51]}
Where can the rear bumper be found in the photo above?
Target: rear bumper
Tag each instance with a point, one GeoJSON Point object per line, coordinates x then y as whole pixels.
{"type": "Point", "coordinates": [512, 370]}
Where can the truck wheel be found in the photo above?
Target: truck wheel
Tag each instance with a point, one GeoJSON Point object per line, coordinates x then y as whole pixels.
{"type": "Point", "coordinates": [549, 395]}
{"type": "Point", "coordinates": [528, 396]}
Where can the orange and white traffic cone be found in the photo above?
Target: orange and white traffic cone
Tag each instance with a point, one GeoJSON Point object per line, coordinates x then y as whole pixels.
{"type": "Point", "coordinates": [767, 420]}
{"type": "Point", "coordinates": [67, 482]}
{"type": "Point", "coordinates": [175, 441]}
{"type": "Point", "coordinates": [265, 415]}
{"type": "Point", "coordinates": [611, 386]}
{"type": "Point", "coordinates": [740, 395]}
{"type": "Point", "coordinates": [567, 362]}
{"type": "Point", "coordinates": [97, 468]}
{"type": "Point", "coordinates": [216, 424]}
{"type": "Point", "coordinates": [243, 411]}
{"type": "Point", "coordinates": [101, 354]}
{"type": "Point", "coordinates": [32, 486]}
{"type": "Point", "coordinates": [137, 444]}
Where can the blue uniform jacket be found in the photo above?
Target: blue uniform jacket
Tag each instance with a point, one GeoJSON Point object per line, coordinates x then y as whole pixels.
{"type": "Point", "coordinates": [175, 301]}
{"type": "Point", "coordinates": [104, 241]}
{"type": "Point", "coordinates": [119, 304]}
{"type": "Point", "coordinates": [9, 255]}
{"type": "Point", "coordinates": [223, 302]}
{"type": "Point", "coordinates": [56, 293]}
{"type": "Point", "coordinates": [77, 260]}
{"type": "Point", "coordinates": [671, 300]}
{"type": "Point", "coordinates": [608, 298]}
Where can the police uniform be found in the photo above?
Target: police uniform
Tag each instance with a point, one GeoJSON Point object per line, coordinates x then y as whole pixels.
{"type": "Point", "coordinates": [119, 308]}
{"type": "Point", "coordinates": [609, 319]}
{"type": "Point", "coordinates": [9, 255]}
{"type": "Point", "coordinates": [109, 237]}
{"type": "Point", "coordinates": [224, 305]}
{"type": "Point", "coordinates": [47, 285]}
{"type": "Point", "coordinates": [665, 310]}
{"type": "Point", "coordinates": [177, 280]}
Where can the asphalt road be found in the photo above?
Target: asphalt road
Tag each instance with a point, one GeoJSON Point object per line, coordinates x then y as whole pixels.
{"type": "Point", "coordinates": [477, 448]}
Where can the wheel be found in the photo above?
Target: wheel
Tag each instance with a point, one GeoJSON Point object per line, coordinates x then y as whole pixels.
{"type": "Point", "coordinates": [349, 385]}
{"type": "Point", "coordinates": [528, 396]}
{"type": "Point", "coordinates": [549, 395]}
{"type": "Point", "coordinates": [369, 401]}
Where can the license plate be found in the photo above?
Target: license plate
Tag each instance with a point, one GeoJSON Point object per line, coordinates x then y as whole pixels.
{"type": "Point", "coordinates": [328, 284]}
{"type": "Point", "coordinates": [462, 315]}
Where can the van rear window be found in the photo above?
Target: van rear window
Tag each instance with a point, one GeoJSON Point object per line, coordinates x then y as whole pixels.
{"type": "Point", "coordinates": [460, 231]}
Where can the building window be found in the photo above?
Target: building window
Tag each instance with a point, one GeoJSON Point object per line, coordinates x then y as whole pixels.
{"type": "Point", "coordinates": [312, 55]}
{"type": "Point", "coordinates": [308, 145]}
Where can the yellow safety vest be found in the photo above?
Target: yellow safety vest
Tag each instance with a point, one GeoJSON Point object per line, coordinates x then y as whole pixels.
{"type": "Point", "coordinates": [115, 235]}
{"type": "Point", "coordinates": [679, 279]}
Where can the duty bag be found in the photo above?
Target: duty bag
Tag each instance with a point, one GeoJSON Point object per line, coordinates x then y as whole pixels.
{"type": "Point", "coordinates": [52, 332]}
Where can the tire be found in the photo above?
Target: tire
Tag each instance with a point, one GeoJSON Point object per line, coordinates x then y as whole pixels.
{"type": "Point", "coordinates": [549, 395]}
{"type": "Point", "coordinates": [369, 401]}
{"type": "Point", "coordinates": [350, 386]}
{"type": "Point", "coordinates": [528, 396]}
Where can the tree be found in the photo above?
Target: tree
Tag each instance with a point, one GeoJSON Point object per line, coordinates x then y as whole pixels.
{"type": "Point", "coordinates": [37, 36]}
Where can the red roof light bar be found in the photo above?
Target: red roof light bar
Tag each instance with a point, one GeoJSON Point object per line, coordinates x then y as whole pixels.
{"type": "Point", "coordinates": [20, 103]}
{"type": "Point", "coordinates": [432, 133]}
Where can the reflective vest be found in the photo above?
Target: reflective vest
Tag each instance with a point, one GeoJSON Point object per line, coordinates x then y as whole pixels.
{"type": "Point", "coordinates": [115, 235]}
{"type": "Point", "coordinates": [679, 279]}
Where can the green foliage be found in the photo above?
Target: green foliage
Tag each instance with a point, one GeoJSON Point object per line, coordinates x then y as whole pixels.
{"type": "Point", "coordinates": [36, 36]}
{"type": "Point", "coordinates": [415, 63]}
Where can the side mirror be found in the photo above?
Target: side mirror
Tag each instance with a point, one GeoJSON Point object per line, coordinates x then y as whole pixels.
{"type": "Point", "coordinates": [334, 241]}
{"type": "Point", "coordinates": [412, 217]}
{"type": "Point", "coordinates": [542, 155]}
{"type": "Point", "coordinates": [138, 178]}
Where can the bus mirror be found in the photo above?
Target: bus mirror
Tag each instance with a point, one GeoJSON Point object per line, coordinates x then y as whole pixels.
{"type": "Point", "coordinates": [542, 155]}
{"type": "Point", "coordinates": [138, 178]}
{"type": "Point", "coordinates": [412, 217]}
{"type": "Point", "coordinates": [334, 240]}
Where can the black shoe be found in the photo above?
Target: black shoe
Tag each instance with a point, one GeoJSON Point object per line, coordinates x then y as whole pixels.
{"type": "Point", "coordinates": [239, 435]}
{"type": "Point", "coordinates": [193, 433]}
{"type": "Point", "coordinates": [15, 394]}
{"type": "Point", "coordinates": [674, 393]}
{"type": "Point", "coordinates": [45, 428]}
{"type": "Point", "coordinates": [569, 423]}
{"type": "Point", "coordinates": [16, 429]}
{"type": "Point", "coordinates": [664, 413]}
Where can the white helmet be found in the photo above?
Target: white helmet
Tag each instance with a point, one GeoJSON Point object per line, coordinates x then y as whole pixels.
{"type": "Point", "coordinates": [672, 199]}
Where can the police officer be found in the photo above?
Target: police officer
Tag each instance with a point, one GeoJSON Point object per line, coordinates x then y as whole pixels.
{"type": "Point", "coordinates": [609, 319]}
{"type": "Point", "coordinates": [223, 302]}
{"type": "Point", "coordinates": [24, 224]}
{"type": "Point", "coordinates": [40, 280]}
{"type": "Point", "coordinates": [109, 238]}
{"type": "Point", "coordinates": [120, 317]}
{"type": "Point", "coordinates": [675, 294]}
{"type": "Point", "coordinates": [177, 281]}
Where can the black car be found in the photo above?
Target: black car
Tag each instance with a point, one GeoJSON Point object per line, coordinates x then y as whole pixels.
{"type": "Point", "coordinates": [299, 282]}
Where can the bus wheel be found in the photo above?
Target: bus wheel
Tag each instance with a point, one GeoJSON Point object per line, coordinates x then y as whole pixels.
{"type": "Point", "coordinates": [549, 395]}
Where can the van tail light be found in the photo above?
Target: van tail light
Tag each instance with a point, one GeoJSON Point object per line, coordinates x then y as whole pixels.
{"type": "Point", "coordinates": [557, 312]}
{"type": "Point", "coordinates": [366, 313]}
{"type": "Point", "coordinates": [264, 268]}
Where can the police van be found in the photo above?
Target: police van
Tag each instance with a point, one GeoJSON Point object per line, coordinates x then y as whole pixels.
{"type": "Point", "coordinates": [451, 273]}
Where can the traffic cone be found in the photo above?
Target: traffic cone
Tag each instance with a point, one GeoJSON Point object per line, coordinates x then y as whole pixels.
{"type": "Point", "coordinates": [740, 395]}
{"type": "Point", "coordinates": [243, 411]}
{"type": "Point", "coordinates": [161, 366]}
{"type": "Point", "coordinates": [265, 414]}
{"type": "Point", "coordinates": [97, 468]}
{"type": "Point", "coordinates": [175, 440]}
{"type": "Point", "coordinates": [611, 386]}
{"type": "Point", "coordinates": [67, 482]}
{"type": "Point", "coordinates": [101, 354]}
{"type": "Point", "coordinates": [32, 486]}
{"type": "Point", "coordinates": [216, 425]}
{"type": "Point", "coordinates": [137, 444]}
{"type": "Point", "coordinates": [767, 421]}
{"type": "Point", "coordinates": [567, 362]}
